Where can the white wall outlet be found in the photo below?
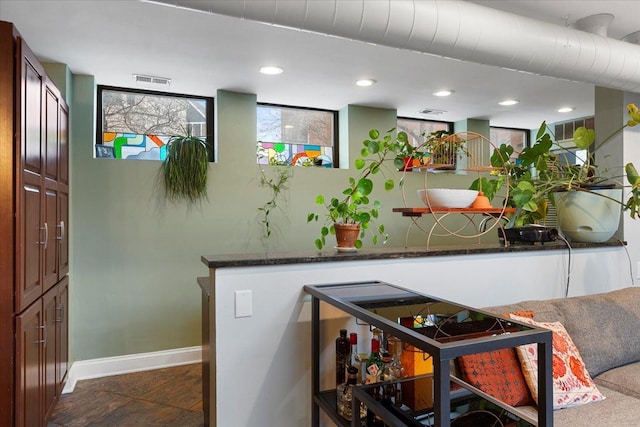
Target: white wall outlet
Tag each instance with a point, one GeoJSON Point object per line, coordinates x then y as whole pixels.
{"type": "Point", "coordinates": [243, 303]}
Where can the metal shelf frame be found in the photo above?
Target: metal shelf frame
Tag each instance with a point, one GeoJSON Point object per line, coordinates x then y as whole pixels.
{"type": "Point", "coordinates": [339, 296]}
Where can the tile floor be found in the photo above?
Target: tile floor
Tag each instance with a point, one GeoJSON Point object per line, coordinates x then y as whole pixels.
{"type": "Point", "coordinates": [170, 397]}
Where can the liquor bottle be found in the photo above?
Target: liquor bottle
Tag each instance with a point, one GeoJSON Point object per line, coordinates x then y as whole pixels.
{"type": "Point", "coordinates": [354, 359]}
{"type": "Point", "coordinates": [342, 353]}
{"type": "Point", "coordinates": [344, 395]}
{"type": "Point", "coordinates": [374, 363]}
{"type": "Point", "coordinates": [397, 370]}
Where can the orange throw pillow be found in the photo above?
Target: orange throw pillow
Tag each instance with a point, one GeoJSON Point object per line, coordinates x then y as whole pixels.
{"type": "Point", "coordinates": [497, 373]}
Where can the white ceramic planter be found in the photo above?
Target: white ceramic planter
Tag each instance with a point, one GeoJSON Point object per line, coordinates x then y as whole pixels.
{"type": "Point", "coordinates": [585, 217]}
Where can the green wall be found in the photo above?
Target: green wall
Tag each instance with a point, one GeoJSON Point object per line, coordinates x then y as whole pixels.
{"type": "Point", "coordinates": [135, 256]}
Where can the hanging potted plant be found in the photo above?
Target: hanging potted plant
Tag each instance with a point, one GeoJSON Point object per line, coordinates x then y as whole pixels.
{"type": "Point", "coordinates": [354, 212]}
{"type": "Point", "coordinates": [185, 168]}
{"type": "Point", "coordinates": [541, 176]}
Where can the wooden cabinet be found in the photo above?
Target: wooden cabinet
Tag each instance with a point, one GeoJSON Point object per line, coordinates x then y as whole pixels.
{"type": "Point", "coordinates": [34, 214]}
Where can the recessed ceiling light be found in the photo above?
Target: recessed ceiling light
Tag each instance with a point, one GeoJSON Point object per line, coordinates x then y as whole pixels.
{"type": "Point", "coordinates": [443, 93]}
{"type": "Point", "coordinates": [508, 102]}
{"type": "Point", "coordinates": [565, 109]}
{"type": "Point", "coordinates": [271, 70]}
{"type": "Point", "coordinates": [365, 82]}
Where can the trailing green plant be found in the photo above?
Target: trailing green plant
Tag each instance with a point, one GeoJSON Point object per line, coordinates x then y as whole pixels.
{"type": "Point", "coordinates": [356, 205]}
{"type": "Point", "coordinates": [542, 170]}
{"type": "Point", "coordinates": [186, 168]}
{"type": "Point", "coordinates": [277, 185]}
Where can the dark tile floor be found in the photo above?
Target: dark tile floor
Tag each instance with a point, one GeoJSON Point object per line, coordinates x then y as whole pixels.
{"type": "Point", "coordinates": [170, 397]}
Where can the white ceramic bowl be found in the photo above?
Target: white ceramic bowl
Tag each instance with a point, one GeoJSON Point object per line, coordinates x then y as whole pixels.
{"type": "Point", "coordinates": [447, 197]}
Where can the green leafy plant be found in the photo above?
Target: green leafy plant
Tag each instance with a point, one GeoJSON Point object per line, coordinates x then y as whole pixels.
{"type": "Point", "coordinates": [443, 147]}
{"type": "Point", "coordinates": [276, 182]}
{"type": "Point", "coordinates": [185, 168]}
{"type": "Point", "coordinates": [542, 170]}
{"type": "Point", "coordinates": [356, 204]}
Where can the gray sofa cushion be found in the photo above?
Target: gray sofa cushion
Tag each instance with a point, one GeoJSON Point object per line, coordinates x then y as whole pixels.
{"type": "Point", "coordinates": [617, 410]}
{"type": "Point", "coordinates": [625, 379]}
{"type": "Point", "coordinates": [605, 327]}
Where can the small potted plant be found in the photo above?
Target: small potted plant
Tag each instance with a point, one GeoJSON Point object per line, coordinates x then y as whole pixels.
{"type": "Point", "coordinates": [541, 175]}
{"type": "Point", "coordinates": [185, 168]}
{"type": "Point", "coordinates": [355, 210]}
{"type": "Point", "coordinates": [444, 149]}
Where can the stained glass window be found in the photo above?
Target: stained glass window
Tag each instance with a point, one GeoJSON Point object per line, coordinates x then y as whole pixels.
{"type": "Point", "coordinates": [136, 124]}
{"type": "Point", "coordinates": [296, 136]}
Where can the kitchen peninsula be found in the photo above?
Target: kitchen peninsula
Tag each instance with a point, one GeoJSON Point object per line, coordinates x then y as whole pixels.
{"type": "Point", "coordinates": [256, 316]}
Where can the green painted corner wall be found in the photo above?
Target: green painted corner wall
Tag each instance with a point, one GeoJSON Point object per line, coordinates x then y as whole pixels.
{"type": "Point", "coordinates": [135, 257]}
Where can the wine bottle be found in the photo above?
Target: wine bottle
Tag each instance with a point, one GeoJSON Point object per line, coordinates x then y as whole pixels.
{"type": "Point", "coordinates": [342, 353]}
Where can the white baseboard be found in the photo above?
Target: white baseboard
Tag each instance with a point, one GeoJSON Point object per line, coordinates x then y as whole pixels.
{"type": "Point", "coordinates": [97, 368]}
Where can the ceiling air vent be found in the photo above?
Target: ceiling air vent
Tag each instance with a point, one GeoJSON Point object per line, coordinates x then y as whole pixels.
{"type": "Point", "coordinates": [432, 111]}
{"type": "Point", "coordinates": [142, 79]}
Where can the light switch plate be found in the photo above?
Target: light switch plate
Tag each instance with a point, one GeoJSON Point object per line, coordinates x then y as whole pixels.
{"type": "Point", "coordinates": [243, 303]}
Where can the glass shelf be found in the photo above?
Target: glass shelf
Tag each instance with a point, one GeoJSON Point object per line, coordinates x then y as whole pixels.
{"type": "Point", "coordinates": [414, 406]}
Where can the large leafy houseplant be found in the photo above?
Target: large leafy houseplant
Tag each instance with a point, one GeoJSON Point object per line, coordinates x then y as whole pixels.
{"type": "Point", "coordinates": [356, 204]}
{"type": "Point", "coordinates": [541, 170]}
{"type": "Point", "coordinates": [185, 168]}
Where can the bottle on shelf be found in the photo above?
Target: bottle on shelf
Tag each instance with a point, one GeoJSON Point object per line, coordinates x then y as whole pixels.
{"type": "Point", "coordinates": [344, 395]}
{"type": "Point", "coordinates": [396, 368]}
{"type": "Point", "coordinates": [354, 357]}
{"type": "Point", "coordinates": [374, 363]}
{"type": "Point", "coordinates": [342, 353]}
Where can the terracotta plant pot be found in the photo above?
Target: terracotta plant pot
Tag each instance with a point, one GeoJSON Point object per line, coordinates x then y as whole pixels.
{"type": "Point", "coordinates": [346, 235]}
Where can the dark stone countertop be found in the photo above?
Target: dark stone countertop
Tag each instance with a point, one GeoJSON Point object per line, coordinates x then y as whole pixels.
{"type": "Point", "coordinates": [301, 257]}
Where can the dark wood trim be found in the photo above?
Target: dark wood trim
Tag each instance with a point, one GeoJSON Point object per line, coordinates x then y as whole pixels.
{"type": "Point", "coordinates": [7, 231]}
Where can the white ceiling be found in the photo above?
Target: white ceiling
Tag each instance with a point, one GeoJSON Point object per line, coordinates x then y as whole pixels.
{"type": "Point", "coordinates": [202, 53]}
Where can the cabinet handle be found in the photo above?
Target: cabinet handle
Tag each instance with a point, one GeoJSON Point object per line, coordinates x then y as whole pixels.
{"type": "Point", "coordinates": [43, 328]}
{"type": "Point", "coordinates": [61, 228]}
{"type": "Point", "coordinates": [46, 235]}
{"type": "Point", "coordinates": [60, 309]}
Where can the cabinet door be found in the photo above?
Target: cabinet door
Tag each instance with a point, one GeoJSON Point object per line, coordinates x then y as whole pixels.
{"type": "Point", "coordinates": [30, 109]}
{"type": "Point", "coordinates": [31, 240]}
{"type": "Point", "coordinates": [49, 304]}
{"type": "Point", "coordinates": [50, 256]}
{"type": "Point", "coordinates": [50, 115]}
{"type": "Point", "coordinates": [62, 233]}
{"type": "Point", "coordinates": [32, 233]}
{"type": "Point", "coordinates": [63, 192]}
{"type": "Point", "coordinates": [63, 145]}
{"type": "Point", "coordinates": [29, 356]}
{"type": "Point", "coordinates": [62, 333]}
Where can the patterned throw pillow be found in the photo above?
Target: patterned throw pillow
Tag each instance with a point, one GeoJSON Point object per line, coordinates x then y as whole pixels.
{"type": "Point", "coordinates": [497, 373]}
{"type": "Point", "coordinates": [572, 384]}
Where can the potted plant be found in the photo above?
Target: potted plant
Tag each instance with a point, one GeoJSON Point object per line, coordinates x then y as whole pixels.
{"type": "Point", "coordinates": [185, 168]}
{"type": "Point", "coordinates": [540, 175]}
{"type": "Point", "coordinates": [355, 210]}
{"type": "Point", "coordinates": [444, 149]}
